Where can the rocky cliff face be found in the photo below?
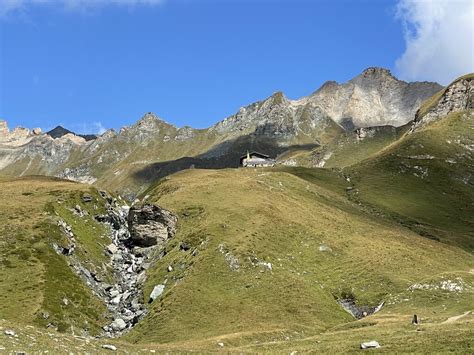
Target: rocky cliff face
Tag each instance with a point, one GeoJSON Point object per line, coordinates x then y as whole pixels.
{"type": "Point", "coordinates": [459, 96]}
{"type": "Point", "coordinates": [373, 98]}
{"type": "Point", "coordinates": [18, 136]}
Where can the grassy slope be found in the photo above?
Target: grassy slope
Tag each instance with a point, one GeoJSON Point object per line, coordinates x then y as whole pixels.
{"type": "Point", "coordinates": [283, 217]}
{"type": "Point", "coordinates": [33, 278]}
{"type": "Point", "coordinates": [425, 181]}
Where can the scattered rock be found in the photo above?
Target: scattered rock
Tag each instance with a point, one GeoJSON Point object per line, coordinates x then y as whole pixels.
{"type": "Point", "coordinates": [118, 324]}
{"type": "Point", "coordinates": [220, 344]}
{"type": "Point", "coordinates": [65, 301]}
{"type": "Point", "coordinates": [112, 248]}
{"type": "Point", "coordinates": [268, 266]}
{"type": "Point", "coordinates": [185, 246]}
{"type": "Point", "coordinates": [370, 344]}
{"type": "Point", "coordinates": [109, 347]}
{"type": "Point", "coordinates": [231, 260]}
{"type": "Point", "coordinates": [170, 268]}
{"type": "Point", "coordinates": [86, 198]}
{"type": "Point", "coordinates": [10, 333]}
{"type": "Point", "coordinates": [157, 292]}
{"type": "Point", "coordinates": [324, 247]}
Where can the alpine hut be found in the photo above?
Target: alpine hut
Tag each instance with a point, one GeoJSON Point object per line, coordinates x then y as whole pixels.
{"type": "Point", "coordinates": [256, 159]}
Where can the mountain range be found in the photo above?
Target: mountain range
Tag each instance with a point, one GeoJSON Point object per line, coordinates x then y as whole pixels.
{"type": "Point", "coordinates": [276, 126]}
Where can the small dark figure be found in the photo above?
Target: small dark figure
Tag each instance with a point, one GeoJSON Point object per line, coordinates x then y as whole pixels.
{"type": "Point", "coordinates": [415, 320]}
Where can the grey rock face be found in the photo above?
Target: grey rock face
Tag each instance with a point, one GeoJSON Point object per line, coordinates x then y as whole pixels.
{"type": "Point", "coordinates": [457, 97]}
{"type": "Point", "coordinates": [150, 225]}
{"type": "Point", "coordinates": [373, 98]}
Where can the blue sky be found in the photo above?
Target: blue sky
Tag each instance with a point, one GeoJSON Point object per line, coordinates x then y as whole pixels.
{"type": "Point", "coordinates": [89, 65]}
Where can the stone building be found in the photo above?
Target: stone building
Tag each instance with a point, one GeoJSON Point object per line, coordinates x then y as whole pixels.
{"type": "Point", "coordinates": [255, 159]}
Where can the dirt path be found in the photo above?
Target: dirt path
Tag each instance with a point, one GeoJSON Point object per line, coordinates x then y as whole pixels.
{"type": "Point", "coordinates": [455, 318]}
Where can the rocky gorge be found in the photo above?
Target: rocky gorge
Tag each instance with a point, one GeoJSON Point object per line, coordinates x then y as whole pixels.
{"type": "Point", "coordinates": [138, 234]}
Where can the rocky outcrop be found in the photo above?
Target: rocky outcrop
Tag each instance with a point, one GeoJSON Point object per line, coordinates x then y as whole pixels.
{"type": "Point", "coordinates": [458, 96]}
{"type": "Point", "coordinates": [17, 137]}
{"type": "Point", "coordinates": [150, 225]}
{"type": "Point", "coordinates": [4, 131]}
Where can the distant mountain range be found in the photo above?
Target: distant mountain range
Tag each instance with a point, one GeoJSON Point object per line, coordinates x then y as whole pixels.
{"type": "Point", "coordinates": [307, 132]}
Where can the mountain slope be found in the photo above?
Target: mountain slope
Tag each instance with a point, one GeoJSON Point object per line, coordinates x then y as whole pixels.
{"type": "Point", "coordinates": [321, 247]}
{"type": "Point", "coordinates": [425, 180]}
{"type": "Point", "coordinates": [267, 255]}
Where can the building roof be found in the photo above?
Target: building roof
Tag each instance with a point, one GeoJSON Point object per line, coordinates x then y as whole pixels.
{"type": "Point", "coordinates": [254, 154]}
{"type": "Point", "coordinates": [261, 155]}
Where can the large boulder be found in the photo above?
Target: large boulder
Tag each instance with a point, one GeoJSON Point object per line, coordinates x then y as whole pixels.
{"type": "Point", "coordinates": [150, 225]}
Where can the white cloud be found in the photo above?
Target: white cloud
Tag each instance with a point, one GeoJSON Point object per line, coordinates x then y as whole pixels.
{"type": "Point", "coordinates": [439, 38]}
{"type": "Point", "coordinates": [99, 128]}
{"type": "Point", "coordinates": [87, 127]}
{"type": "Point", "coordinates": [21, 7]}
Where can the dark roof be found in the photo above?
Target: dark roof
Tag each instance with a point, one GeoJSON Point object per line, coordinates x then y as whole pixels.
{"type": "Point", "coordinates": [261, 155]}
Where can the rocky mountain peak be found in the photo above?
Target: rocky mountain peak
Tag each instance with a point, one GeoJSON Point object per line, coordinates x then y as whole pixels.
{"type": "Point", "coordinates": [373, 98]}
{"type": "Point", "coordinates": [376, 73]}
{"type": "Point", "coordinates": [278, 98]}
{"type": "Point", "coordinates": [150, 122]}
{"type": "Point", "coordinates": [60, 131]}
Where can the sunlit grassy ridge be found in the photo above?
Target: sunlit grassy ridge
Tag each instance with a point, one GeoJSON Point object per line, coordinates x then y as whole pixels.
{"type": "Point", "coordinates": [277, 217]}
{"type": "Point", "coordinates": [425, 180]}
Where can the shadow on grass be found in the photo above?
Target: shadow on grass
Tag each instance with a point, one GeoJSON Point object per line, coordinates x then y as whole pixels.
{"type": "Point", "coordinates": [221, 156]}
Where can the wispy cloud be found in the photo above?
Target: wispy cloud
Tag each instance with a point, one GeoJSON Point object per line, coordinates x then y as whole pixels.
{"type": "Point", "coordinates": [439, 37]}
{"type": "Point", "coordinates": [95, 127]}
{"type": "Point", "coordinates": [22, 7]}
